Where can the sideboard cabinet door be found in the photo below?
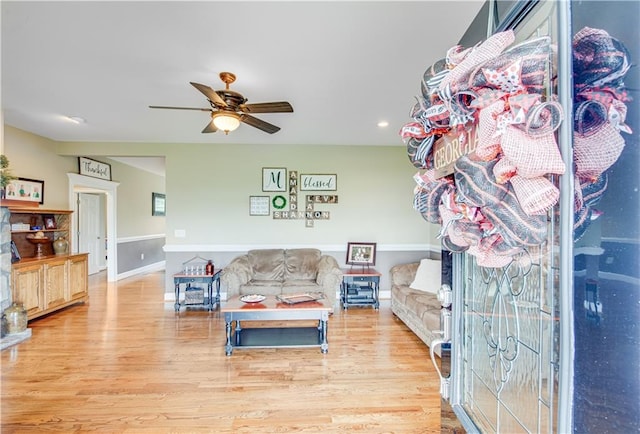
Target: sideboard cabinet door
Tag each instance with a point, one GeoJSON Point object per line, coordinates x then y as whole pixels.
{"type": "Point", "coordinates": [27, 288]}
{"type": "Point", "coordinates": [78, 280]}
{"type": "Point", "coordinates": [55, 278]}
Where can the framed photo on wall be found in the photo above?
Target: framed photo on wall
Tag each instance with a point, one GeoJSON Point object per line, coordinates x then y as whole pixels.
{"type": "Point", "coordinates": [361, 254]}
{"type": "Point", "coordinates": [158, 204]}
{"type": "Point", "coordinates": [25, 190]}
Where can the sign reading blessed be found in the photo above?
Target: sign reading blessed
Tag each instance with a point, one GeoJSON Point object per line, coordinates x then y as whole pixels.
{"type": "Point", "coordinates": [318, 182]}
{"type": "Point", "coordinates": [93, 168]}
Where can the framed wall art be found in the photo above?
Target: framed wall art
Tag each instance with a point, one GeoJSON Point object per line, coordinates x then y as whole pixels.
{"type": "Point", "coordinates": [25, 190]}
{"type": "Point", "coordinates": [158, 204]}
{"type": "Point", "coordinates": [93, 168]}
{"type": "Point", "coordinates": [318, 182]}
{"type": "Point", "coordinates": [259, 205]}
{"type": "Point", "coordinates": [274, 179]}
{"type": "Point", "coordinates": [361, 254]}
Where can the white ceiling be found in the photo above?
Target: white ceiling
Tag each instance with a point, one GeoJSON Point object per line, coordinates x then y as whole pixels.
{"type": "Point", "coordinates": [344, 66]}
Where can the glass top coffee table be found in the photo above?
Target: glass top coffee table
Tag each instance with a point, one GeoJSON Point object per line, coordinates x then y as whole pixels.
{"type": "Point", "coordinates": [255, 308]}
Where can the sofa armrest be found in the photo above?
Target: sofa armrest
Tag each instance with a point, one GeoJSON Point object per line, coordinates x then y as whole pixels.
{"type": "Point", "coordinates": [403, 274]}
{"type": "Point", "coordinates": [329, 277]}
{"type": "Point", "coordinates": [236, 273]}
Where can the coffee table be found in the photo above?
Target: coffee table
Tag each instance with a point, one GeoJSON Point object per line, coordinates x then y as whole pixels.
{"type": "Point", "coordinates": [271, 309]}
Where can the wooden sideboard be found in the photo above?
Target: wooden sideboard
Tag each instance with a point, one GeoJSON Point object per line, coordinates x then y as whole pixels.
{"type": "Point", "coordinates": [50, 282]}
{"type": "Point", "coordinates": [44, 285]}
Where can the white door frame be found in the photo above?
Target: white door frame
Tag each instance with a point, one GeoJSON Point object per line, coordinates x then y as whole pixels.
{"type": "Point", "coordinates": [81, 183]}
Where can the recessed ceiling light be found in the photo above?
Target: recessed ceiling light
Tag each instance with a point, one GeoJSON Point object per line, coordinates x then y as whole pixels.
{"type": "Point", "coordinates": [76, 119]}
{"type": "Point", "coordinates": [383, 124]}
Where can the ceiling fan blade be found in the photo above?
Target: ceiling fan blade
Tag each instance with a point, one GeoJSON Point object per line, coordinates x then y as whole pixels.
{"type": "Point", "coordinates": [267, 107]}
{"type": "Point", "coordinates": [258, 123]}
{"type": "Point", "coordinates": [210, 93]}
{"type": "Point", "coordinates": [179, 108]}
{"type": "Point", "coordinates": [210, 128]}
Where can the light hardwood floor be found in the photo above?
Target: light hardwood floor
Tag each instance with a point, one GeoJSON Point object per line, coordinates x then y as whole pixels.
{"type": "Point", "coordinates": [125, 362]}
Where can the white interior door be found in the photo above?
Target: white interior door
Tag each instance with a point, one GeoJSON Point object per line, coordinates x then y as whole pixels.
{"type": "Point", "coordinates": [90, 237]}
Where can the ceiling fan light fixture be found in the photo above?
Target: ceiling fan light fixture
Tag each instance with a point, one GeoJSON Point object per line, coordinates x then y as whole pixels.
{"type": "Point", "coordinates": [226, 121]}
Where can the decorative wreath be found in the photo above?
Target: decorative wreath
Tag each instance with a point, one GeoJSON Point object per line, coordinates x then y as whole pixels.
{"type": "Point", "coordinates": [495, 204]}
{"type": "Point", "coordinates": [279, 202]}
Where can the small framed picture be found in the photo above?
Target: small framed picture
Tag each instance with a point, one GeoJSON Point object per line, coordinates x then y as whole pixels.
{"type": "Point", "coordinates": [158, 204]}
{"type": "Point", "coordinates": [361, 254]}
{"type": "Point", "coordinates": [259, 205]}
{"type": "Point", "coordinates": [49, 221]}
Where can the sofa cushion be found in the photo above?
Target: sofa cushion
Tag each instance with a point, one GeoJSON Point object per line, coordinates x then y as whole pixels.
{"type": "Point", "coordinates": [264, 287]}
{"type": "Point", "coordinates": [267, 264]}
{"type": "Point", "coordinates": [300, 286]}
{"type": "Point", "coordinates": [426, 307]}
{"type": "Point", "coordinates": [301, 264]}
{"type": "Point", "coordinates": [428, 276]}
{"type": "Point", "coordinates": [422, 305]}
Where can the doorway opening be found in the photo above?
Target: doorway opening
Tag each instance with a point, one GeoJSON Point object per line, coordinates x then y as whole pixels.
{"type": "Point", "coordinates": [84, 184]}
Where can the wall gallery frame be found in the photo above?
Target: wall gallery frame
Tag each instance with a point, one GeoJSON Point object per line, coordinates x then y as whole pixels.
{"type": "Point", "coordinates": [361, 254]}
{"type": "Point", "coordinates": [259, 205]}
{"type": "Point", "coordinates": [274, 179]}
{"type": "Point", "coordinates": [158, 204]}
{"type": "Point", "coordinates": [25, 190]}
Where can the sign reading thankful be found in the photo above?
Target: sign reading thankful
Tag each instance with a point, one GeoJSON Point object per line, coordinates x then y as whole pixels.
{"type": "Point", "coordinates": [93, 168]}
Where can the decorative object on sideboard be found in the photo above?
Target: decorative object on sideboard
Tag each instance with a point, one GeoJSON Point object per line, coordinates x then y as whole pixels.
{"type": "Point", "coordinates": [60, 246]}
{"type": "Point", "coordinates": [15, 254]}
{"type": "Point", "coordinates": [49, 221]}
{"type": "Point", "coordinates": [39, 238]}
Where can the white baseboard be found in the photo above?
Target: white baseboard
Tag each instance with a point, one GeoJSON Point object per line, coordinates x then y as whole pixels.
{"type": "Point", "coordinates": [158, 266]}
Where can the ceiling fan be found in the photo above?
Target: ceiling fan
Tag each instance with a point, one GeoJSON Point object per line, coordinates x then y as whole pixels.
{"type": "Point", "coordinates": [229, 108]}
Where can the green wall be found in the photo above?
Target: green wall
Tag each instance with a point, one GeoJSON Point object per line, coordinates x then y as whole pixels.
{"type": "Point", "coordinates": [208, 188]}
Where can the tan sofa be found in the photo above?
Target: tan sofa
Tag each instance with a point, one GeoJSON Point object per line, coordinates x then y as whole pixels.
{"type": "Point", "coordinates": [282, 271]}
{"type": "Point", "coordinates": [418, 309]}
